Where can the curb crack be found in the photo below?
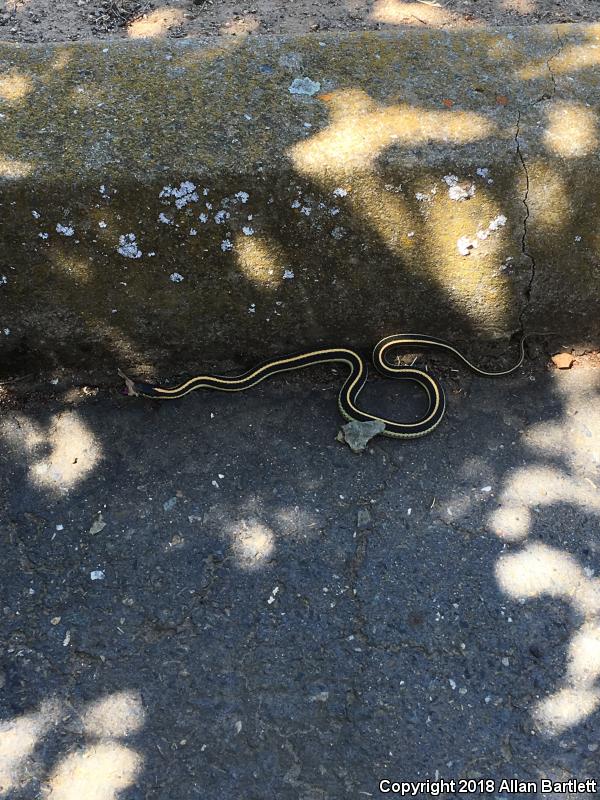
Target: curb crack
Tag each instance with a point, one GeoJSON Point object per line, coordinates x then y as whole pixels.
{"type": "Point", "coordinates": [525, 252]}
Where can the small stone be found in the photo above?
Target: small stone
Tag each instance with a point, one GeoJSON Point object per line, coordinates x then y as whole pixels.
{"type": "Point", "coordinates": [98, 525]}
{"type": "Point", "coordinates": [169, 504]}
{"type": "Point", "coordinates": [358, 434]}
{"type": "Point", "coordinates": [55, 620]}
{"type": "Point", "coordinates": [97, 575]}
{"type": "Point", "coordinates": [363, 518]}
{"type": "Point", "coordinates": [563, 360]}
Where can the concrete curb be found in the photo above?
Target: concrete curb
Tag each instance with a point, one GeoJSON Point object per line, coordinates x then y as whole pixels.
{"type": "Point", "coordinates": [169, 203]}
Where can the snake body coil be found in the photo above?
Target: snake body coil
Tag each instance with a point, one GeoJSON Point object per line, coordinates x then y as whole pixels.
{"type": "Point", "coordinates": [348, 396]}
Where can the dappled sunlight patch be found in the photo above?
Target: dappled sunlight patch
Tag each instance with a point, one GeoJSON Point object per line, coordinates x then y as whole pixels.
{"type": "Point", "coordinates": [18, 739]}
{"type": "Point", "coordinates": [14, 86]}
{"type": "Point", "coordinates": [98, 772]}
{"type": "Point", "coordinates": [550, 206]}
{"type": "Point", "coordinates": [565, 708]}
{"type": "Point", "coordinates": [155, 23]}
{"type": "Point", "coordinates": [360, 130]}
{"type": "Point", "coordinates": [538, 486]}
{"type": "Point", "coordinates": [252, 542]}
{"type": "Point", "coordinates": [538, 570]}
{"type": "Point", "coordinates": [457, 232]}
{"type": "Point", "coordinates": [399, 12]}
{"type": "Point", "coordinates": [258, 260]}
{"type": "Point", "coordinates": [62, 59]}
{"type": "Point", "coordinates": [571, 58]}
{"type": "Point", "coordinates": [14, 168]}
{"type": "Point", "coordinates": [584, 655]}
{"type": "Point", "coordinates": [117, 715]}
{"type": "Point", "coordinates": [344, 154]}
{"type": "Point", "coordinates": [576, 437]}
{"type": "Point", "coordinates": [571, 130]}
{"type": "Point", "coordinates": [62, 454]}
{"type": "Point", "coordinates": [388, 214]}
{"type": "Point", "coordinates": [511, 522]}
{"type": "Point", "coordinates": [75, 269]}
{"type": "Point", "coordinates": [74, 452]}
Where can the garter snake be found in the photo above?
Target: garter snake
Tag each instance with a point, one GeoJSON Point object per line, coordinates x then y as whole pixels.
{"type": "Point", "coordinates": [348, 396]}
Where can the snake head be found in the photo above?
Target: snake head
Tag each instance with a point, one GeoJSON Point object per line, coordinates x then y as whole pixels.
{"type": "Point", "coordinates": [129, 389]}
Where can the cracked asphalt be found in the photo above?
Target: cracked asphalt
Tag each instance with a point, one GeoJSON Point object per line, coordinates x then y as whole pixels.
{"type": "Point", "coordinates": [214, 598]}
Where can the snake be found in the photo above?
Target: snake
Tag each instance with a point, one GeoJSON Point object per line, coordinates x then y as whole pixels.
{"type": "Point", "coordinates": [353, 385]}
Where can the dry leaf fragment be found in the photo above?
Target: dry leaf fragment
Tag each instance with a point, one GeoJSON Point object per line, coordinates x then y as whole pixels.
{"type": "Point", "coordinates": [563, 360]}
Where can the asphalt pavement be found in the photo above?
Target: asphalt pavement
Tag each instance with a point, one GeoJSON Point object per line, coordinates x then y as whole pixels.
{"type": "Point", "coordinates": [215, 598]}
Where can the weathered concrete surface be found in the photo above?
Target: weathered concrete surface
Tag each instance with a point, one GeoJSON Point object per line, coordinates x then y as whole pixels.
{"type": "Point", "coordinates": [281, 618]}
{"type": "Point", "coordinates": [163, 203]}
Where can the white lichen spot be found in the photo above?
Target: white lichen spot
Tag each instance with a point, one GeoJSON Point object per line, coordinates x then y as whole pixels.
{"type": "Point", "coordinates": [43, 235]}
{"type": "Point", "coordinates": [243, 197]}
{"type": "Point", "coordinates": [66, 230]}
{"type": "Point", "coordinates": [288, 274]}
{"type": "Point", "coordinates": [128, 246]}
{"type": "Point", "coordinates": [498, 222]}
{"type": "Point", "coordinates": [151, 253]}
{"type": "Point", "coordinates": [451, 180]}
{"type": "Point", "coordinates": [461, 191]}
{"type": "Point", "coordinates": [205, 192]}
{"type": "Point", "coordinates": [483, 172]}
{"type": "Point", "coordinates": [340, 192]}
{"type": "Point", "coordinates": [421, 196]}
{"type": "Point", "coordinates": [247, 230]}
{"type": "Point", "coordinates": [193, 232]}
{"type": "Point", "coordinates": [6, 331]}
{"type": "Point", "coordinates": [338, 233]}
{"type": "Point", "coordinates": [296, 204]}
{"type": "Point", "coordinates": [465, 244]}
{"type": "Point", "coordinates": [203, 218]}
{"type": "Point", "coordinates": [3, 280]}
{"type": "Point", "coordinates": [305, 210]}
{"type": "Point", "coordinates": [252, 308]}
{"type": "Point", "coordinates": [304, 86]}
{"type": "Point", "coordinates": [102, 224]}
{"type": "Point", "coordinates": [208, 205]}
{"type": "Point", "coordinates": [35, 214]}
{"type": "Point", "coordinates": [103, 191]}
{"type": "Point", "coordinates": [578, 238]}
{"type": "Point", "coordinates": [226, 245]}
{"type": "Point", "coordinates": [221, 216]}
{"type": "Point", "coordinates": [184, 193]}
{"type": "Point", "coordinates": [175, 277]}
{"type": "Point", "coordinates": [162, 217]}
